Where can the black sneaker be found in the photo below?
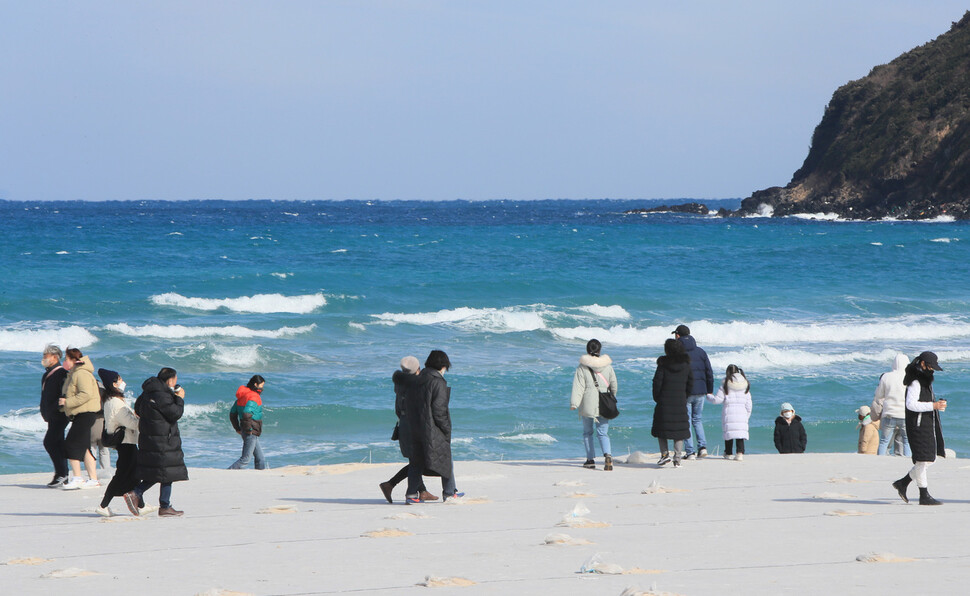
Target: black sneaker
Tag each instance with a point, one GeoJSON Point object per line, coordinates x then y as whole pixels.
{"type": "Point", "coordinates": [676, 463]}
{"type": "Point", "coordinates": [57, 481]}
{"type": "Point", "coordinates": [664, 459]}
{"type": "Point", "coordinates": [702, 452]}
{"type": "Point", "coordinates": [590, 464]}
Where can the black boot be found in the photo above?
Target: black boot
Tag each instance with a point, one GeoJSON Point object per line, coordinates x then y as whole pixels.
{"type": "Point", "coordinates": [901, 485]}
{"type": "Point", "coordinates": [590, 464]}
{"type": "Point", "coordinates": [926, 499]}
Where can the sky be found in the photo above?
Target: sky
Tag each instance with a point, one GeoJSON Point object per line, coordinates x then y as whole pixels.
{"type": "Point", "coordinates": [434, 100]}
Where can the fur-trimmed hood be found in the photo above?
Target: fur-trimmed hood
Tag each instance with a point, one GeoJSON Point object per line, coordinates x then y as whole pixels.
{"type": "Point", "coordinates": [597, 363]}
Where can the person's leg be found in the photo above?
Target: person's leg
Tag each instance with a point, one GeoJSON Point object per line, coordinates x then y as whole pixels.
{"type": "Point", "coordinates": [603, 433]}
{"type": "Point", "coordinates": [54, 445]}
{"type": "Point", "coordinates": [448, 484]}
{"type": "Point", "coordinates": [399, 477]}
{"type": "Point", "coordinates": [415, 471]}
{"type": "Point", "coordinates": [75, 467]}
{"type": "Point", "coordinates": [918, 473]}
{"type": "Point", "coordinates": [258, 456]}
{"type": "Point", "coordinates": [689, 444]}
{"type": "Point", "coordinates": [887, 430]}
{"type": "Point", "coordinates": [588, 438]}
{"type": "Point", "coordinates": [165, 495]}
{"type": "Point", "coordinates": [728, 447]}
{"type": "Point", "coordinates": [124, 473]}
{"type": "Point", "coordinates": [90, 465]}
{"type": "Point", "coordinates": [740, 443]}
{"type": "Point", "coordinates": [248, 446]}
{"type": "Point", "coordinates": [697, 421]}
{"type": "Point", "coordinates": [903, 437]}
{"type": "Point", "coordinates": [663, 446]}
{"type": "Point", "coordinates": [678, 449]}
{"type": "Point", "coordinates": [104, 458]}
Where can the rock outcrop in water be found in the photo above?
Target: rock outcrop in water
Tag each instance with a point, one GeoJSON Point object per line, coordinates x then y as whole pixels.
{"type": "Point", "coordinates": [893, 144]}
{"type": "Point", "coordinates": [694, 208]}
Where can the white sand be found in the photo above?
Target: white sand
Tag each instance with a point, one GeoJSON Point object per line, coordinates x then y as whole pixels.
{"type": "Point", "coordinates": [769, 525]}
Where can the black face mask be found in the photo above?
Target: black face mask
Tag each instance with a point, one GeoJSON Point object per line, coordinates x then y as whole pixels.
{"type": "Point", "coordinates": [260, 390]}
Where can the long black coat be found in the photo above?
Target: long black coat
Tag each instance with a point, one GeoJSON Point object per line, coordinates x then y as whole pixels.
{"type": "Point", "coordinates": [402, 382]}
{"type": "Point", "coordinates": [923, 428]}
{"type": "Point", "coordinates": [160, 457]}
{"type": "Point", "coordinates": [426, 405]}
{"type": "Point", "coordinates": [671, 385]}
{"type": "Point", "coordinates": [790, 438]}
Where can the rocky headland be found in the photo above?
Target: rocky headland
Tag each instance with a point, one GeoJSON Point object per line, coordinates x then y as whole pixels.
{"type": "Point", "coordinates": [894, 144]}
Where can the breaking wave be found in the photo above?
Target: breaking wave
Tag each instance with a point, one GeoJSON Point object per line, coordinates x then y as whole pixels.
{"type": "Point", "coordinates": [259, 303]}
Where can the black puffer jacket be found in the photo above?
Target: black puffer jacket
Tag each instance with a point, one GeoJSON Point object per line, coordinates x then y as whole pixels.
{"type": "Point", "coordinates": [160, 457]}
{"type": "Point", "coordinates": [790, 438]}
{"type": "Point", "coordinates": [50, 392]}
{"type": "Point", "coordinates": [671, 384]}
{"type": "Point", "coordinates": [426, 406]}
{"type": "Point", "coordinates": [923, 428]}
{"type": "Point", "coordinates": [402, 382]}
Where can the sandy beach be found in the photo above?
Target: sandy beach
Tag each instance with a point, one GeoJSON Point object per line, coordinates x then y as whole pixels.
{"type": "Point", "coordinates": [795, 524]}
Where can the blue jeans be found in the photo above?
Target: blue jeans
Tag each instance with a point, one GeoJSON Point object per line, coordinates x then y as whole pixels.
{"type": "Point", "coordinates": [251, 449]}
{"type": "Point", "coordinates": [602, 432]}
{"type": "Point", "coordinates": [164, 493]}
{"type": "Point", "coordinates": [695, 410]}
{"type": "Point", "coordinates": [888, 427]}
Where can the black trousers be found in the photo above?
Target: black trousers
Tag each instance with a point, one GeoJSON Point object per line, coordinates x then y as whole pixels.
{"type": "Point", "coordinates": [54, 443]}
{"type": "Point", "coordinates": [728, 450]}
{"type": "Point", "coordinates": [124, 479]}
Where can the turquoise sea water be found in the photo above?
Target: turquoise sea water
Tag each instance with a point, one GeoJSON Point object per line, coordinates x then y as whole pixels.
{"type": "Point", "coordinates": [324, 298]}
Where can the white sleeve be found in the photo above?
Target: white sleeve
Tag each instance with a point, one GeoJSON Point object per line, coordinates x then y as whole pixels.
{"type": "Point", "coordinates": [913, 404]}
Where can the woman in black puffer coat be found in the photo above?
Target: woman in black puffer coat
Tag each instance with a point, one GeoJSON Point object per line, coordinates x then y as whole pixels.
{"type": "Point", "coordinates": [671, 385]}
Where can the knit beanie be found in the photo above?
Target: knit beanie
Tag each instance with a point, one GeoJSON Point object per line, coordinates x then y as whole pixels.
{"type": "Point", "coordinates": [108, 377]}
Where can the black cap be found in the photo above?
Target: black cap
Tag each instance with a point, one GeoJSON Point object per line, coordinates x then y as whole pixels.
{"type": "Point", "coordinates": [931, 360]}
{"type": "Point", "coordinates": [682, 330]}
{"type": "Point", "coordinates": [108, 377]}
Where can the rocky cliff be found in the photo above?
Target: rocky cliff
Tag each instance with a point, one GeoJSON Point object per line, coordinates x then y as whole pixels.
{"type": "Point", "coordinates": [895, 143]}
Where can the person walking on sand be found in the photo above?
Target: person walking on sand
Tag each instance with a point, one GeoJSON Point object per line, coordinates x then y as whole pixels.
{"type": "Point", "coordinates": [160, 458]}
{"type": "Point", "coordinates": [889, 408]}
{"type": "Point", "coordinates": [81, 402]}
{"type": "Point", "coordinates": [672, 382]}
{"type": "Point", "coordinates": [922, 425]}
{"type": "Point", "coordinates": [246, 416]}
{"type": "Point", "coordinates": [703, 386]}
{"type": "Point", "coordinates": [404, 378]}
{"type": "Point", "coordinates": [868, 431]}
{"type": "Point", "coordinates": [594, 373]}
{"type": "Point", "coordinates": [118, 414]}
{"type": "Point", "coordinates": [790, 436]}
{"type": "Point", "coordinates": [51, 385]}
{"type": "Point", "coordinates": [735, 394]}
{"type": "Point", "coordinates": [427, 407]}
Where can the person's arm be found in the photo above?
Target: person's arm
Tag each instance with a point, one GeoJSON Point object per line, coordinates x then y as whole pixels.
{"type": "Point", "coordinates": [613, 383]}
{"type": "Point", "coordinates": [658, 382]}
{"type": "Point", "coordinates": [802, 438]}
{"type": "Point", "coordinates": [171, 406]}
{"type": "Point", "coordinates": [778, 437]}
{"type": "Point", "coordinates": [878, 399]}
{"type": "Point", "coordinates": [439, 408]}
{"type": "Point", "coordinates": [708, 374]}
{"type": "Point", "coordinates": [717, 398]}
{"type": "Point", "coordinates": [690, 382]}
{"type": "Point", "coordinates": [913, 403]}
{"type": "Point", "coordinates": [579, 388]}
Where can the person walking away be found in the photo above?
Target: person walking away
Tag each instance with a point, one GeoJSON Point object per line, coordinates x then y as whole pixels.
{"type": "Point", "coordinates": [160, 458]}
{"type": "Point", "coordinates": [790, 436]}
{"type": "Point", "coordinates": [922, 425]}
{"type": "Point", "coordinates": [427, 406]}
{"type": "Point", "coordinates": [735, 394]}
{"type": "Point", "coordinates": [404, 378]}
{"type": "Point", "coordinates": [703, 386]}
{"type": "Point", "coordinates": [118, 414]}
{"type": "Point", "coordinates": [672, 382]}
{"type": "Point", "coordinates": [868, 431]}
{"type": "Point", "coordinates": [51, 385]}
{"type": "Point", "coordinates": [246, 416]}
{"type": "Point", "coordinates": [586, 399]}
{"type": "Point", "coordinates": [889, 408]}
{"type": "Point", "coordinates": [82, 402]}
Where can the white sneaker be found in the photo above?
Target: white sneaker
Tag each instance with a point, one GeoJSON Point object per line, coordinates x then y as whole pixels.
{"type": "Point", "coordinates": [90, 483]}
{"type": "Point", "coordinates": [73, 484]}
{"type": "Point", "coordinates": [739, 457]}
{"type": "Point", "coordinates": [728, 456]}
{"type": "Point", "coordinates": [142, 511]}
{"type": "Point", "coordinates": [103, 511]}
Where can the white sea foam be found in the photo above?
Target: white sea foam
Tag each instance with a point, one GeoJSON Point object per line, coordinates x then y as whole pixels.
{"type": "Point", "coordinates": [766, 357]}
{"type": "Point", "coordinates": [357, 326]}
{"type": "Point", "coordinates": [608, 312]}
{"type": "Point", "coordinates": [740, 333]}
{"type": "Point", "coordinates": [62, 252]}
{"type": "Point", "coordinates": [281, 275]}
{"type": "Point", "coordinates": [819, 216]}
{"type": "Point", "coordinates": [493, 320]}
{"type": "Point", "coordinates": [944, 240]}
{"type": "Point", "coordinates": [764, 210]}
{"type": "Point", "coordinates": [542, 438]}
{"type": "Point", "coordinates": [32, 339]}
{"type": "Point", "coordinates": [259, 303]}
{"type": "Point", "coordinates": [876, 243]}
{"type": "Point", "coordinates": [339, 250]}
{"type": "Point", "coordinates": [201, 410]}
{"type": "Point", "coordinates": [237, 357]}
{"type": "Point", "coordinates": [24, 420]}
{"type": "Point", "coordinates": [183, 331]}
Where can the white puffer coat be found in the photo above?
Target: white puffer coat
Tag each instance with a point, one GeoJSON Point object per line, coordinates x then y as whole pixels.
{"type": "Point", "coordinates": [585, 397]}
{"type": "Point", "coordinates": [737, 408]}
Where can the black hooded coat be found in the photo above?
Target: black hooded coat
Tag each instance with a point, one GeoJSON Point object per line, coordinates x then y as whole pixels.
{"type": "Point", "coordinates": [672, 384]}
{"type": "Point", "coordinates": [429, 419]}
{"type": "Point", "coordinates": [160, 457]}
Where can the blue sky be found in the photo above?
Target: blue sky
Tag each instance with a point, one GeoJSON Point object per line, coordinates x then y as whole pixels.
{"type": "Point", "coordinates": [426, 99]}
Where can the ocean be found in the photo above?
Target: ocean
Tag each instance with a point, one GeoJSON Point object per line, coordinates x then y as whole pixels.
{"type": "Point", "coordinates": [324, 298]}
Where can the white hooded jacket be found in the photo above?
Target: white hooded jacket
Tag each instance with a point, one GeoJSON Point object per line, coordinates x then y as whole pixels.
{"type": "Point", "coordinates": [890, 399]}
{"type": "Point", "coordinates": [585, 396]}
{"type": "Point", "coordinates": [737, 407]}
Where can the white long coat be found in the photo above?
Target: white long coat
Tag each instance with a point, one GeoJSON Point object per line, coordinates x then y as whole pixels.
{"type": "Point", "coordinates": [737, 408]}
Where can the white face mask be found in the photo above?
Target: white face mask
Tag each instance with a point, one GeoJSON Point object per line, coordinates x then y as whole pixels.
{"type": "Point", "coordinates": [121, 386]}
{"type": "Point", "coordinates": [788, 414]}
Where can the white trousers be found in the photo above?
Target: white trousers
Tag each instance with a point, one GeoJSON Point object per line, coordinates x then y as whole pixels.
{"type": "Point", "coordinates": [918, 473]}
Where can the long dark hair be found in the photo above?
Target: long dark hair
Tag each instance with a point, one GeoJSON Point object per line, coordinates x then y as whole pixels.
{"type": "Point", "coordinates": [734, 369]}
{"type": "Point", "coordinates": [253, 382]}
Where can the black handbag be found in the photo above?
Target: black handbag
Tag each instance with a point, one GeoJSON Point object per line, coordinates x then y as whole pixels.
{"type": "Point", "coordinates": [608, 408]}
{"type": "Point", "coordinates": [112, 439]}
